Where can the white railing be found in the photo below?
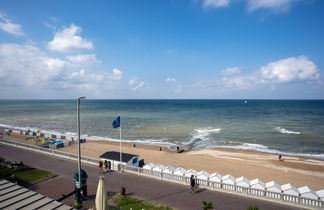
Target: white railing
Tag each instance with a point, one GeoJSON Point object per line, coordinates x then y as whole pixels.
{"type": "Point", "coordinates": [219, 186]}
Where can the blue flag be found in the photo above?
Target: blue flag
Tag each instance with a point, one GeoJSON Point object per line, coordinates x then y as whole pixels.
{"type": "Point", "coordinates": [116, 122]}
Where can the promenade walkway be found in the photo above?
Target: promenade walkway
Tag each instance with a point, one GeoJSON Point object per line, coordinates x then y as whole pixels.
{"type": "Point", "coordinates": [167, 193]}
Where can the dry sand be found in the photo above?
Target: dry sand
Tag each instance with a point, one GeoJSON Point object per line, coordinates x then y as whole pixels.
{"type": "Point", "coordinates": [295, 170]}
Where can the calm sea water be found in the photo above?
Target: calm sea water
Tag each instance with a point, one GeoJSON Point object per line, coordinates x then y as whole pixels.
{"type": "Point", "coordinates": [286, 126]}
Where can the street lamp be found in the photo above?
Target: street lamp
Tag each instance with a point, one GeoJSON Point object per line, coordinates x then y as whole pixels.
{"type": "Point", "coordinates": [78, 128]}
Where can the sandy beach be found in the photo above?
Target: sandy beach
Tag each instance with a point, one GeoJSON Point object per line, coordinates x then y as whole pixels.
{"type": "Point", "coordinates": [298, 171]}
{"type": "Point", "coordinates": [295, 170]}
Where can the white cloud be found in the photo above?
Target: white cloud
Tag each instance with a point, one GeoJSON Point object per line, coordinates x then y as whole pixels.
{"type": "Point", "coordinates": [177, 84]}
{"type": "Point", "coordinates": [28, 65]}
{"type": "Point", "coordinates": [290, 69]}
{"type": "Point", "coordinates": [9, 27]}
{"type": "Point", "coordinates": [216, 3]}
{"type": "Point", "coordinates": [135, 84]}
{"type": "Point", "coordinates": [276, 5]}
{"type": "Point", "coordinates": [252, 5]}
{"type": "Point", "coordinates": [83, 59]}
{"type": "Point", "coordinates": [68, 40]}
{"type": "Point", "coordinates": [231, 71]}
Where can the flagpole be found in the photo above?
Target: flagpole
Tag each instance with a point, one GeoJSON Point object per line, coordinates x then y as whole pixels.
{"type": "Point", "coordinates": [120, 152]}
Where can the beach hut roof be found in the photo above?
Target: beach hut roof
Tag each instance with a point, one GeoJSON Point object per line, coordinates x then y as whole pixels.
{"type": "Point", "coordinates": [215, 177]}
{"type": "Point", "coordinates": [229, 179]}
{"type": "Point", "coordinates": [273, 186]}
{"type": "Point", "coordinates": [242, 181]}
{"type": "Point", "coordinates": [169, 168]}
{"type": "Point", "coordinates": [158, 167]}
{"type": "Point", "coordinates": [257, 184]}
{"type": "Point", "coordinates": [320, 193]}
{"type": "Point", "coordinates": [116, 156]}
{"type": "Point", "coordinates": [191, 172]}
{"type": "Point", "coordinates": [307, 192]}
{"type": "Point", "coordinates": [202, 175]}
{"type": "Point", "coordinates": [289, 189]}
{"type": "Point", "coordinates": [149, 166]}
{"type": "Point", "coordinates": [179, 171]}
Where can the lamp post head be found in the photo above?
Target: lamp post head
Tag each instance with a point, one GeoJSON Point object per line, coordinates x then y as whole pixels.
{"type": "Point", "coordinates": [82, 97]}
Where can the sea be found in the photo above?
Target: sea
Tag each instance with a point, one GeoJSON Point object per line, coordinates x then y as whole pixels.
{"type": "Point", "coordinates": [291, 127]}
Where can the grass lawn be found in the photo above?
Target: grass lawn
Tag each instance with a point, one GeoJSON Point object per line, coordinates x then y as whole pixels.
{"type": "Point", "coordinates": [27, 176]}
{"type": "Point", "coordinates": [127, 202]}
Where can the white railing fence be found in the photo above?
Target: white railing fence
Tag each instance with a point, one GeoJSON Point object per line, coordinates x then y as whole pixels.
{"type": "Point", "coordinates": [219, 186]}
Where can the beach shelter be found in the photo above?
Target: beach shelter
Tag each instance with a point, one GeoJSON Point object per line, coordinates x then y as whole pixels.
{"type": "Point", "coordinates": [257, 184]}
{"type": "Point", "coordinates": [203, 175]}
{"type": "Point", "coordinates": [215, 177]}
{"type": "Point", "coordinates": [228, 179]}
{"type": "Point", "coordinates": [306, 192]}
{"type": "Point", "coordinates": [191, 172]}
{"type": "Point", "coordinates": [273, 187]}
{"type": "Point", "coordinates": [289, 189]}
{"type": "Point", "coordinates": [320, 194]}
{"type": "Point", "coordinates": [158, 167]}
{"type": "Point", "coordinates": [149, 166]}
{"type": "Point", "coordinates": [242, 182]}
{"type": "Point", "coordinates": [169, 169]}
{"type": "Point", "coordinates": [179, 171]}
{"type": "Point", "coordinates": [101, 196]}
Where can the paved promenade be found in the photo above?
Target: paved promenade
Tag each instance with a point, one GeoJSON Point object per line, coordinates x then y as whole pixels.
{"type": "Point", "coordinates": [167, 193]}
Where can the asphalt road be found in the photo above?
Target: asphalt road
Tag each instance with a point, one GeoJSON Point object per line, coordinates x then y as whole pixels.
{"type": "Point", "coordinates": [163, 192]}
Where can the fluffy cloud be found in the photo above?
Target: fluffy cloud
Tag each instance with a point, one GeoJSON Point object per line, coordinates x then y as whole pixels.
{"type": "Point", "coordinates": [231, 71]}
{"type": "Point", "coordinates": [177, 84]}
{"type": "Point", "coordinates": [68, 40]}
{"type": "Point", "coordinates": [216, 3]}
{"type": "Point", "coordinates": [9, 27]}
{"type": "Point", "coordinates": [83, 59]}
{"type": "Point", "coordinates": [135, 84]}
{"type": "Point", "coordinates": [277, 5]}
{"type": "Point", "coordinates": [27, 64]}
{"type": "Point", "coordinates": [290, 69]}
{"type": "Point", "coordinates": [252, 5]}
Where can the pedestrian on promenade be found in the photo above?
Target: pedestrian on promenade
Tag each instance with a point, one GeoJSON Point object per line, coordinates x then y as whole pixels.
{"type": "Point", "coordinates": [192, 184]}
{"type": "Point", "coordinates": [105, 165]}
{"type": "Point", "coordinates": [100, 165]}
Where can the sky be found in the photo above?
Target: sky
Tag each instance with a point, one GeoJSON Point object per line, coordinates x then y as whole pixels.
{"type": "Point", "coordinates": [162, 49]}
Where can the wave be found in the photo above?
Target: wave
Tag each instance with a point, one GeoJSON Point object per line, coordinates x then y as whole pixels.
{"type": "Point", "coordinates": [202, 133]}
{"type": "Point", "coordinates": [285, 131]}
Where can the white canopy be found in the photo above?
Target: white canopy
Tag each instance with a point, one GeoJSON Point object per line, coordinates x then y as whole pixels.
{"type": "Point", "coordinates": [257, 184]}
{"type": "Point", "coordinates": [273, 187]}
{"type": "Point", "coordinates": [242, 181]}
{"type": "Point", "coordinates": [306, 192]}
{"type": "Point", "coordinates": [191, 172]}
{"type": "Point", "coordinates": [289, 189]}
{"type": "Point", "coordinates": [179, 171]}
{"type": "Point", "coordinates": [149, 166]}
{"type": "Point", "coordinates": [215, 177]}
{"type": "Point", "coordinates": [228, 179]}
{"type": "Point", "coordinates": [169, 169]}
{"type": "Point", "coordinates": [158, 167]}
{"type": "Point", "coordinates": [203, 175]}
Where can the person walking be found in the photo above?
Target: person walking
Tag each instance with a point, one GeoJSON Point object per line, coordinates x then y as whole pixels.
{"type": "Point", "coordinates": [105, 165]}
{"type": "Point", "coordinates": [192, 184]}
{"type": "Point", "coordinates": [100, 165]}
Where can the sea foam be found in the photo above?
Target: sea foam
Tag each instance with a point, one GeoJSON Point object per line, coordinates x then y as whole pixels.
{"type": "Point", "coordinates": [285, 131]}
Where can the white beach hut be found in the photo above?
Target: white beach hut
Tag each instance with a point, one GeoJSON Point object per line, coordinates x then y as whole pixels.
{"type": "Point", "coordinates": [306, 192]}
{"type": "Point", "coordinates": [203, 175]}
{"type": "Point", "coordinates": [273, 190]}
{"type": "Point", "coordinates": [179, 171]}
{"type": "Point", "coordinates": [215, 177]}
{"type": "Point", "coordinates": [149, 166]}
{"type": "Point", "coordinates": [320, 194]}
{"type": "Point", "coordinates": [289, 192]}
{"type": "Point", "coordinates": [169, 169]}
{"type": "Point", "coordinates": [191, 172]}
{"type": "Point", "coordinates": [158, 168]}
{"type": "Point", "coordinates": [257, 187]}
{"type": "Point", "coordinates": [242, 182]}
{"type": "Point", "coordinates": [229, 182]}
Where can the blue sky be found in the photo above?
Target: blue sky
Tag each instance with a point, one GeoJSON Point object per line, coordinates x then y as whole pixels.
{"type": "Point", "coordinates": [264, 49]}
